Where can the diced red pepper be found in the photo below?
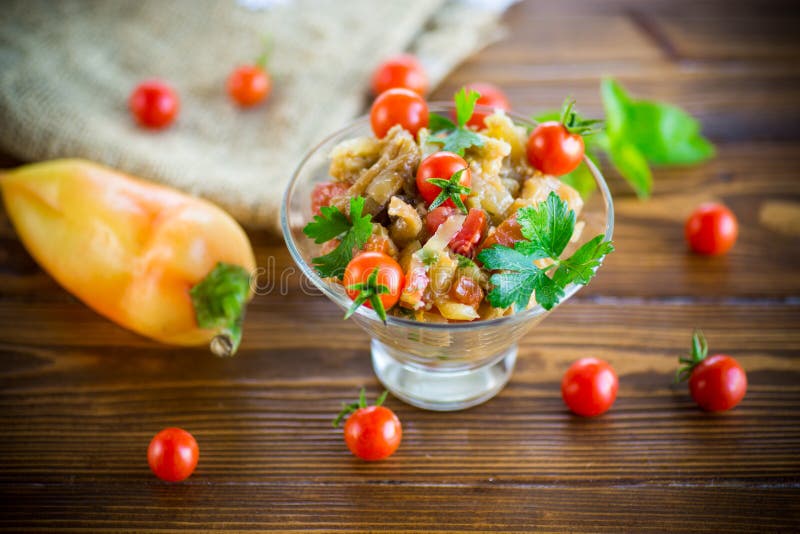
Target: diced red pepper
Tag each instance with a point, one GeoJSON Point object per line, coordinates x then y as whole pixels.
{"type": "Point", "coordinates": [466, 240]}
{"type": "Point", "coordinates": [506, 234]}
{"type": "Point", "coordinates": [436, 217]}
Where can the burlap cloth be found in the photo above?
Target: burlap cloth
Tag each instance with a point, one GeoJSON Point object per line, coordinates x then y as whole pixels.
{"type": "Point", "coordinates": [68, 67]}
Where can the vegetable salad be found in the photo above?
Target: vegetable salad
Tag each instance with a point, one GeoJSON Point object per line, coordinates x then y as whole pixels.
{"type": "Point", "coordinates": [449, 220]}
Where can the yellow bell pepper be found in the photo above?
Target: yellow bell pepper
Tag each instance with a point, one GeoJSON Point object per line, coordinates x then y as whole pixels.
{"type": "Point", "coordinates": [168, 266]}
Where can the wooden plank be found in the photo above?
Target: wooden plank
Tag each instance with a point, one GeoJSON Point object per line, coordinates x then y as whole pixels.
{"type": "Point", "coordinates": [83, 411]}
{"type": "Point", "coordinates": [362, 507]}
{"type": "Point", "coordinates": [80, 397]}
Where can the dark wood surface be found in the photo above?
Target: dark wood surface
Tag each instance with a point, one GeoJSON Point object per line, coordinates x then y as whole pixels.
{"type": "Point", "coordinates": [80, 398]}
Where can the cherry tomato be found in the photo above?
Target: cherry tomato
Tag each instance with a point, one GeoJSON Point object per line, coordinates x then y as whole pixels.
{"type": "Point", "coordinates": [466, 240]}
{"type": "Point", "coordinates": [398, 106]}
{"type": "Point", "coordinates": [718, 383]}
{"type": "Point", "coordinates": [154, 104]}
{"type": "Point", "coordinates": [324, 193]}
{"type": "Point", "coordinates": [173, 454]}
{"type": "Point", "coordinates": [249, 85]}
{"type": "Point", "coordinates": [711, 229]}
{"type": "Point", "coordinates": [491, 97]}
{"type": "Point", "coordinates": [589, 387]}
{"type": "Point", "coordinates": [553, 150]}
{"type": "Point", "coordinates": [403, 71]}
{"type": "Point", "coordinates": [390, 274]}
{"type": "Point", "coordinates": [441, 165]}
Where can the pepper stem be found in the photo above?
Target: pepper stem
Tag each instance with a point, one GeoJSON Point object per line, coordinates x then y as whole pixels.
{"type": "Point", "coordinates": [219, 302]}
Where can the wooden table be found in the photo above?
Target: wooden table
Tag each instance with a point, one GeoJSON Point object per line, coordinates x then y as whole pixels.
{"type": "Point", "coordinates": [80, 398]}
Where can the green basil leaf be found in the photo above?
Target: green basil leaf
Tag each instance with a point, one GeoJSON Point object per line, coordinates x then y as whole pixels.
{"type": "Point", "coordinates": [632, 165]}
{"type": "Point", "coordinates": [666, 135]}
{"type": "Point", "coordinates": [615, 103]}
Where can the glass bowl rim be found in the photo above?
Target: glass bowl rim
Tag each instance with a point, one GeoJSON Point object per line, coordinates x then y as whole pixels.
{"type": "Point", "coordinates": [340, 297]}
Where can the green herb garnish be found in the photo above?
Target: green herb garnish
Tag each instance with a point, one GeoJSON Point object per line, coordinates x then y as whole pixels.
{"type": "Point", "coordinates": [333, 224]}
{"type": "Point", "coordinates": [547, 228]}
{"type": "Point", "coordinates": [465, 263]}
{"type": "Point", "coordinates": [456, 137]}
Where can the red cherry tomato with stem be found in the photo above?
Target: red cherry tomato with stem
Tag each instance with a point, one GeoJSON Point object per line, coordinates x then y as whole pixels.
{"type": "Point", "coordinates": [154, 104]}
{"type": "Point", "coordinates": [589, 387]}
{"type": "Point", "coordinates": [553, 150]}
{"type": "Point", "coordinates": [398, 106]}
{"type": "Point", "coordinates": [374, 279]}
{"type": "Point", "coordinates": [556, 147]}
{"type": "Point", "coordinates": [371, 432]}
{"type": "Point", "coordinates": [434, 171]}
{"type": "Point", "coordinates": [403, 71]}
{"type": "Point", "coordinates": [173, 454]}
{"type": "Point", "coordinates": [491, 97]}
{"type": "Point", "coordinates": [716, 383]}
{"type": "Point", "coordinates": [249, 85]}
{"type": "Point", "coordinates": [711, 229]}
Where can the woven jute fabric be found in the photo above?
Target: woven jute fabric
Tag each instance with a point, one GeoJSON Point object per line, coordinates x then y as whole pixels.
{"type": "Point", "coordinates": [67, 69]}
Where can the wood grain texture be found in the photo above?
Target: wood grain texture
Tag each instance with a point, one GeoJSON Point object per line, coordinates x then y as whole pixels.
{"type": "Point", "coordinates": [80, 398]}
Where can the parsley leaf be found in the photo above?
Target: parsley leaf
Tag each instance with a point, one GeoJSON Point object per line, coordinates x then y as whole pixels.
{"type": "Point", "coordinates": [548, 228]}
{"type": "Point", "coordinates": [330, 224]}
{"type": "Point", "coordinates": [352, 233]}
{"type": "Point", "coordinates": [518, 282]}
{"type": "Point", "coordinates": [438, 123]}
{"type": "Point", "coordinates": [580, 267]}
{"type": "Point", "coordinates": [456, 137]}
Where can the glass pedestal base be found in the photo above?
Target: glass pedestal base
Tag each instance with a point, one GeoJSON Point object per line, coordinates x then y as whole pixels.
{"type": "Point", "coordinates": [441, 388]}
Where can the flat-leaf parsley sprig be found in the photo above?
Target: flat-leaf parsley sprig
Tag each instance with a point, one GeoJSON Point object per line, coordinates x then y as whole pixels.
{"type": "Point", "coordinates": [547, 228]}
{"type": "Point", "coordinates": [352, 233]}
{"type": "Point", "coordinates": [456, 137]}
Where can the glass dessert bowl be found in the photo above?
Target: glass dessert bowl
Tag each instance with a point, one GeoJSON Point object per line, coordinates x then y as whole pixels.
{"type": "Point", "coordinates": [435, 366]}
